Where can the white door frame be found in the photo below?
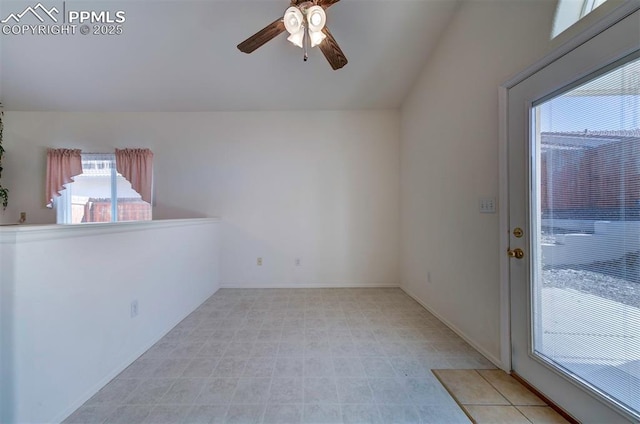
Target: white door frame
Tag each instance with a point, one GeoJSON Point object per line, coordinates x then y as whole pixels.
{"type": "Point", "coordinates": [591, 25]}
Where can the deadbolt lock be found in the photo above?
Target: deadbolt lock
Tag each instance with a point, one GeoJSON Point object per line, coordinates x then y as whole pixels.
{"type": "Point", "coordinates": [516, 253]}
{"type": "Point", "coordinates": [517, 232]}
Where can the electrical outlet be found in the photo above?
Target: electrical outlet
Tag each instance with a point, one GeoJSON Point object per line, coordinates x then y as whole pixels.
{"type": "Point", "coordinates": [487, 205]}
{"type": "Point", "coordinates": [134, 308]}
{"type": "Point", "coordinates": [298, 261]}
{"type": "Point", "coordinates": [259, 261]}
{"type": "Point", "coordinates": [428, 276]}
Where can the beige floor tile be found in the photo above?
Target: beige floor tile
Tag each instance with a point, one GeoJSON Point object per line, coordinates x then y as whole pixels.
{"type": "Point", "coordinates": [468, 387]}
{"type": "Point", "coordinates": [542, 415]}
{"type": "Point", "coordinates": [312, 355]}
{"type": "Point", "coordinates": [511, 388]}
{"type": "Point", "coordinates": [496, 414]}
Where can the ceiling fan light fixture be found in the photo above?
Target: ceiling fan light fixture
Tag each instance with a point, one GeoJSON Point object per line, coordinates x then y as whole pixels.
{"type": "Point", "coordinates": [316, 38]}
{"type": "Point", "coordinates": [297, 38]}
{"type": "Point", "coordinates": [304, 19]}
{"type": "Point", "coordinates": [293, 20]}
{"type": "Point", "coordinates": [316, 18]}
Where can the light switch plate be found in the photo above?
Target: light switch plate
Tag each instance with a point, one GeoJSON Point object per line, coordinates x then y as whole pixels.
{"type": "Point", "coordinates": [487, 205]}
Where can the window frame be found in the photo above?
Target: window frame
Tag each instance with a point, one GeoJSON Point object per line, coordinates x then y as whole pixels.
{"type": "Point", "coordinates": [63, 203]}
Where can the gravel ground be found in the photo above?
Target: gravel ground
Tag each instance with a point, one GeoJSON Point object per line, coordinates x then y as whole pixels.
{"type": "Point", "coordinates": [595, 283]}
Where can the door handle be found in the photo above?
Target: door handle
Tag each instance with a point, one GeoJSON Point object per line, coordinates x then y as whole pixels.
{"type": "Point", "coordinates": [515, 253]}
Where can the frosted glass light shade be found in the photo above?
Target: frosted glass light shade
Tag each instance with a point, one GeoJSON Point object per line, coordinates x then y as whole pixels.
{"type": "Point", "coordinates": [293, 20]}
{"type": "Point", "coordinates": [316, 18]}
{"type": "Point", "coordinates": [316, 37]}
{"type": "Point", "coordinates": [297, 38]}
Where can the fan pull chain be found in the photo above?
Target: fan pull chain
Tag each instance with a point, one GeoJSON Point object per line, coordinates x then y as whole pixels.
{"type": "Point", "coordinates": [305, 40]}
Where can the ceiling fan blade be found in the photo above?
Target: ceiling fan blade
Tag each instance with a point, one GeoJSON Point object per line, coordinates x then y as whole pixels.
{"type": "Point", "coordinates": [261, 37]}
{"type": "Point", "coordinates": [332, 51]}
{"type": "Point", "coordinates": [327, 3]}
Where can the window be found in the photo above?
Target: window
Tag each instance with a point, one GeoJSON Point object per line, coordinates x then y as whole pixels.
{"type": "Point", "coordinates": [100, 194]}
{"type": "Point", "coordinates": [571, 11]}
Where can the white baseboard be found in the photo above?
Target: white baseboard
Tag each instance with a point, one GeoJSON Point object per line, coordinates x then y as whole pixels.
{"type": "Point", "coordinates": [465, 337]}
{"type": "Point", "coordinates": [308, 285]}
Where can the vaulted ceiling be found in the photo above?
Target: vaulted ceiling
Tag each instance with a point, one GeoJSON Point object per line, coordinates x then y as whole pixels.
{"type": "Point", "coordinates": [182, 56]}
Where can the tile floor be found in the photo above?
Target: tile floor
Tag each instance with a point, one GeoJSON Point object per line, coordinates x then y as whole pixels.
{"type": "Point", "coordinates": [292, 356]}
{"type": "Point", "coordinates": [494, 397]}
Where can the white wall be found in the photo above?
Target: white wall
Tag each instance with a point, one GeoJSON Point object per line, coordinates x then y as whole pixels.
{"type": "Point", "coordinates": [65, 314]}
{"type": "Point", "coordinates": [321, 186]}
{"type": "Point", "coordinates": [7, 265]}
{"type": "Point", "coordinates": [449, 159]}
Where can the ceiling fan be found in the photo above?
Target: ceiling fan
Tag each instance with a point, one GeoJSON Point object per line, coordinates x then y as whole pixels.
{"type": "Point", "coordinates": [305, 21]}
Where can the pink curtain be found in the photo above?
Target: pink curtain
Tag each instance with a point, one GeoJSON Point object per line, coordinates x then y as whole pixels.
{"type": "Point", "coordinates": [136, 165]}
{"type": "Point", "coordinates": [62, 166]}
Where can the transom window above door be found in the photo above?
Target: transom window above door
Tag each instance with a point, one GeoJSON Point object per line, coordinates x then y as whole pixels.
{"type": "Point", "coordinates": [569, 12]}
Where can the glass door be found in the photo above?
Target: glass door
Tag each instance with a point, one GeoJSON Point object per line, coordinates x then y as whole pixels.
{"type": "Point", "coordinates": [586, 285]}
{"type": "Point", "coordinates": [574, 168]}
